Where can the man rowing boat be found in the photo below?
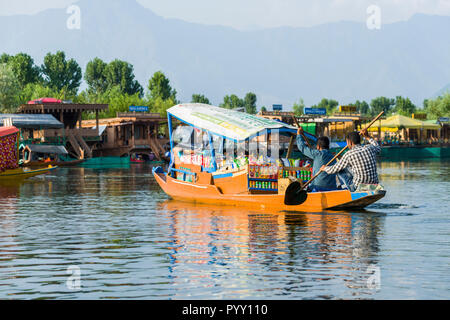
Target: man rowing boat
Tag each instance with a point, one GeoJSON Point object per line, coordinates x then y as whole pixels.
{"type": "Point", "coordinates": [361, 160]}
{"type": "Point", "coordinates": [320, 156]}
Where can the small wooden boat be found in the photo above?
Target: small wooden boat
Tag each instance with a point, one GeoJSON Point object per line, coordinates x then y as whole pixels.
{"type": "Point", "coordinates": [41, 156]}
{"type": "Point", "coordinates": [142, 157]}
{"type": "Point", "coordinates": [23, 173]}
{"type": "Point", "coordinates": [199, 172]}
{"type": "Point", "coordinates": [212, 193]}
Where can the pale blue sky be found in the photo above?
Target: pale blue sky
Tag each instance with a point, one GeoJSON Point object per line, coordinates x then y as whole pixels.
{"type": "Point", "coordinates": [250, 14]}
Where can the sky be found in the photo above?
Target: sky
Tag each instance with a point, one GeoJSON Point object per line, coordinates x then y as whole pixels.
{"type": "Point", "coordinates": [259, 14]}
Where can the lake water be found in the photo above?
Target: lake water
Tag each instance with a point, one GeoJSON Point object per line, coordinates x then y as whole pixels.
{"type": "Point", "coordinates": [125, 239]}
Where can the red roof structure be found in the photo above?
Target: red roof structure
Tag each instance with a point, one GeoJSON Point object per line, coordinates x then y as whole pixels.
{"type": "Point", "coordinates": [6, 131]}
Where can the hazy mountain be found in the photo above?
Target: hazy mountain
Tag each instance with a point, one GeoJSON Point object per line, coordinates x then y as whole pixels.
{"type": "Point", "coordinates": [344, 60]}
{"type": "Point", "coordinates": [445, 89]}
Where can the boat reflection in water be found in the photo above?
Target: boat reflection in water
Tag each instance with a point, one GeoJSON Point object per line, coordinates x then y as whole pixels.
{"type": "Point", "coordinates": [301, 250]}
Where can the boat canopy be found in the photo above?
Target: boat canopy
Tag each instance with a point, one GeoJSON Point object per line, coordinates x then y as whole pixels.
{"type": "Point", "coordinates": [230, 124]}
{"type": "Point", "coordinates": [48, 149]}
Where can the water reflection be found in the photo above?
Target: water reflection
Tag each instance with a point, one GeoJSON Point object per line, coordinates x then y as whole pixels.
{"type": "Point", "coordinates": [300, 250]}
{"type": "Point", "coordinates": [131, 242]}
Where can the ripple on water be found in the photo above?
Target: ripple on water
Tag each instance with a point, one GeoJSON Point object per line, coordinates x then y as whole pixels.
{"type": "Point", "coordinates": [129, 241]}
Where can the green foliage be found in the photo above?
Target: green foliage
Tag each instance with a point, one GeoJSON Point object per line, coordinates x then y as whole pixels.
{"type": "Point", "coordinates": [95, 75]}
{"type": "Point", "coordinates": [404, 106]}
{"type": "Point", "coordinates": [439, 107]}
{"type": "Point", "coordinates": [4, 58]}
{"type": "Point", "coordinates": [362, 107]}
{"type": "Point", "coordinates": [329, 104]}
{"type": "Point", "coordinates": [298, 107]}
{"type": "Point", "coordinates": [120, 73]}
{"type": "Point", "coordinates": [199, 98]}
{"type": "Point", "coordinates": [37, 90]}
{"type": "Point", "coordinates": [250, 103]}
{"type": "Point", "coordinates": [9, 89]}
{"type": "Point", "coordinates": [23, 67]}
{"type": "Point", "coordinates": [381, 104]}
{"type": "Point", "coordinates": [232, 102]}
{"type": "Point", "coordinates": [159, 105]}
{"type": "Point", "coordinates": [61, 74]}
{"type": "Point", "coordinates": [263, 108]}
{"type": "Point", "coordinates": [159, 87]}
{"type": "Point", "coordinates": [114, 97]}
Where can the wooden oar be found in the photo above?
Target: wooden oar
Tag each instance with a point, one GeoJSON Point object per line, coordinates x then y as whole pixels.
{"type": "Point", "coordinates": [296, 193]}
{"type": "Point", "coordinates": [302, 134]}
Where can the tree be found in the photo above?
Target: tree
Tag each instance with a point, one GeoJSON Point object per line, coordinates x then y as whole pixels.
{"type": "Point", "coordinates": [95, 75]}
{"type": "Point", "coordinates": [199, 98]}
{"type": "Point", "coordinates": [263, 109]}
{"type": "Point", "coordinates": [4, 58]}
{"type": "Point", "coordinates": [329, 104]}
{"type": "Point", "coordinates": [250, 103]}
{"type": "Point", "coordinates": [159, 87]}
{"type": "Point", "coordinates": [117, 100]}
{"type": "Point", "coordinates": [119, 73]}
{"type": "Point", "coordinates": [23, 67]}
{"type": "Point", "coordinates": [298, 107]}
{"type": "Point", "coordinates": [404, 106]}
{"type": "Point", "coordinates": [362, 106]}
{"type": "Point", "coordinates": [9, 89]}
{"type": "Point", "coordinates": [37, 90]}
{"type": "Point", "coordinates": [61, 74]}
{"type": "Point", "coordinates": [381, 104]}
{"type": "Point", "coordinates": [439, 107]}
{"type": "Point", "coordinates": [232, 102]}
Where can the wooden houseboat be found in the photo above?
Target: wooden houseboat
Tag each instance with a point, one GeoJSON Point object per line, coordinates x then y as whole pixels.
{"type": "Point", "coordinates": [134, 135]}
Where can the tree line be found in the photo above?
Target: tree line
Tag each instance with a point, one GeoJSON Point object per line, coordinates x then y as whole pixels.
{"type": "Point", "coordinates": [434, 108]}
{"type": "Point", "coordinates": [114, 83]}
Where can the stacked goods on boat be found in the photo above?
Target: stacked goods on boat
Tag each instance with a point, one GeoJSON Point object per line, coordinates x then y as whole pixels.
{"type": "Point", "coordinates": [261, 175]}
{"type": "Point", "coordinates": [274, 178]}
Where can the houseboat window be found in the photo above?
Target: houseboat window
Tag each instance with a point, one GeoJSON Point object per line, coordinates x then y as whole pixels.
{"type": "Point", "coordinates": [137, 132]}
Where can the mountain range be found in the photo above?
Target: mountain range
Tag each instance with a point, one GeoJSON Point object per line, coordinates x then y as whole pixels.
{"type": "Point", "coordinates": [344, 60]}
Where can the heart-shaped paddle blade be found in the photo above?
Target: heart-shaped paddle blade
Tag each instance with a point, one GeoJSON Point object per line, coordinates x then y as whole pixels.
{"type": "Point", "coordinates": [294, 194]}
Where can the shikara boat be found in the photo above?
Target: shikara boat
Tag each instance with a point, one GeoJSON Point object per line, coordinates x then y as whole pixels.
{"type": "Point", "coordinates": [24, 173]}
{"type": "Point", "coordinates": [201, 172]}
{"type": "Point", "coordinates": [41, 156]}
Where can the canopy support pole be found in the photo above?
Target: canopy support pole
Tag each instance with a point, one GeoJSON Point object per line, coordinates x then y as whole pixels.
{"type": "Point", "coordinates": [213, 152]}
{"type": "Point", "coordinates": [169, 125]}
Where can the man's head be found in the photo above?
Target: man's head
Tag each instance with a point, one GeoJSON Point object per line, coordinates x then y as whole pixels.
{"type": "Point", "coordinates": [353, 139]}
{"type": "Point", "coordinates": [323, 143]}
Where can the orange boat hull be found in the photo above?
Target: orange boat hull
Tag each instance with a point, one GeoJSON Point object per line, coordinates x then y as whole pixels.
{"type": "Point", "coordinates": [315, 202]}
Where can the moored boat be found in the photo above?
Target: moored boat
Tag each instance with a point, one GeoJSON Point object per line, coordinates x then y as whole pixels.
{"type": "Point", "coordinates": [24, 173]}
{"type": "Point", "coordinates": [41, 156]}
{"type": "Point", "coordinates": [204, 170]}
{"type": "Point", "coordinates": [9, 157]}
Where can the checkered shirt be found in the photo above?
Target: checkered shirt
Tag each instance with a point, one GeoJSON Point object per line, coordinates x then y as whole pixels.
{"type": "Point", "coordinates": [362, 162]}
